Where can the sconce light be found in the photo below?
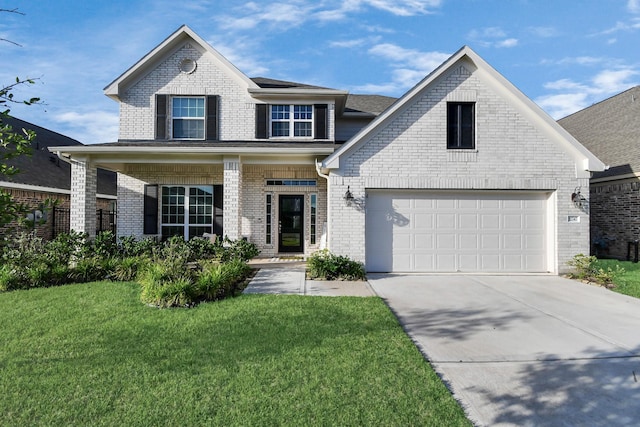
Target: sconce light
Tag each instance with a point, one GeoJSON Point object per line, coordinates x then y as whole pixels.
{"type": "Point", "coordinates": [578, 199]}
{"type": "Point", "coordinates": [348, 197]}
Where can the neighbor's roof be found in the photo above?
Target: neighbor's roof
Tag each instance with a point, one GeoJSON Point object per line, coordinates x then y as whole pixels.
{"type": "Point", "coordinates": [610, 129]}
{"type": "Point", "coordinates": [44, 169]}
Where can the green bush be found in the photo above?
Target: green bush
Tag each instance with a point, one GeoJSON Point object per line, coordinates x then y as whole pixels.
{"type": "Point", "coordinates": [126, 269]}
{"type": "Point", "coordinates": [585, 268]}
{"type": "Point", "coordinates": [325, 265]}
{"type": "Point", "coordinates": [10, 278]}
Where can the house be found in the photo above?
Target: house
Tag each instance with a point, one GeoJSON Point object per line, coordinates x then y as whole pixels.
{"type": "Point", "coordinates": [44, 177]}
{"type": "Point", "coordinates": [611, 130]}
{"type": "Point", "coordinates": [462, 173]}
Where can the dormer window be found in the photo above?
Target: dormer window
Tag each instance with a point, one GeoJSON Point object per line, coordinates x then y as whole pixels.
{"type": "Point", "coordinates": [187, 115]}
{"type": "Point", "coordinates": [285, 118]}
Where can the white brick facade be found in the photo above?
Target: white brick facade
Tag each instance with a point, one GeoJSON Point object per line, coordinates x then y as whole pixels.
{"type": "Point", "coordinates": [410, 153]}
{"type": "Point", "coordinates": [83, 197]}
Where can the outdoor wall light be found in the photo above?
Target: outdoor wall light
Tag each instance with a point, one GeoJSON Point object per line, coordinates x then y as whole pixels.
{"type": "Point", "coordinates": [348, 197]}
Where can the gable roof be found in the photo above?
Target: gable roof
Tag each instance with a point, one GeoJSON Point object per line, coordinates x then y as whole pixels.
{"type": "Point", "coordinates": [611, 130]}
{"type": "Point", "coordinates": [44, 169]}
{"type": "Point", "coordinates": [585, 159]}
{"type": "Point", "coordinates": [172, 43]}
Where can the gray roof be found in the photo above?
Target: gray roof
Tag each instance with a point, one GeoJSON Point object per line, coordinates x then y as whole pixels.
{"type": "Point", "coordinates": [610, 129]}
{"type": "Point", "coordinates": [267, 83]}
{"type": "Point", "coordinates": [371, 104]}
{"type": "Point", "coordinates": [43, 168]}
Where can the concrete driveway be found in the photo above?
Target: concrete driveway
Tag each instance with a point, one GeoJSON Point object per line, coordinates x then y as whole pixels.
{"type": "Point", "coordinates": [525, 350]}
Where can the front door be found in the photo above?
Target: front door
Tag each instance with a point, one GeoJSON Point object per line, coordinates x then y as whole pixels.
{"type": "Point", "coordinates": [290, 235]}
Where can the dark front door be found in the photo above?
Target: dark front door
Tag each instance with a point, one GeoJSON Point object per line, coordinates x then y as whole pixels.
{"type": "Point", "coordinates": [290, 236]}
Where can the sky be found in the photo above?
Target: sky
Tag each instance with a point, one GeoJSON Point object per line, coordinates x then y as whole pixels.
{"type": "Point", "coordinates": [563, 54]}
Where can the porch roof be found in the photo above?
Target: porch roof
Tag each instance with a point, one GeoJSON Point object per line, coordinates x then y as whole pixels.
{"type": "Point", "coordinates": [114, 156]}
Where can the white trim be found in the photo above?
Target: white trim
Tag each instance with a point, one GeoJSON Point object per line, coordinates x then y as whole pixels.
{"type": "Point", "coordinates": [614, 178]}
{"type": "Point", "coordinates": [173, 42]}
{"type": "Point", "coordinates": [88, 150]}
{"type": "Point", "coordinates": [28, 187]}
{"type": "Point", "coordinates": [584, 158]}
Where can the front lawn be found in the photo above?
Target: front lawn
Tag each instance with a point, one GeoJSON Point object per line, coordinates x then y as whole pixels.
{"type": "Point", "coordinates": [627, 283]}
{"type": "Point", "coordinates": [92, 354]}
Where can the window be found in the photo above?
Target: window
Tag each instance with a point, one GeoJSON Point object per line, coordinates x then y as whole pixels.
{"type": "Point", "coordinates": [188, 117]}
{"type": "Point", "coordinates": [461, 125]}
{"type": "Point", "coordinates": [292, 120]}
{"type": "Point", "coordinates": [187, 211]}
{"type": "Point", "coordinates": [293, 182]}
{"type": "Point", "coordinates": [269, 219]}
{"type": "Point", "coordinates": [314, 218]}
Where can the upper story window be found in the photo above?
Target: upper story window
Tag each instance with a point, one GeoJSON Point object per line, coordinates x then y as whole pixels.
{"type": "Point", "coordinates": [292, 120]}
{"type": "Point", "coordinates": [188, 114]}
{"type": "Point", "coordinates": [461, 125]}
{"type": "Point", "coordinates": [187, 117]}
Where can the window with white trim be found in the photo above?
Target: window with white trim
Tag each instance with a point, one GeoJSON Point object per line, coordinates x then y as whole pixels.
{"type": "Point", "coordinates": [292, 120]}
{"type": "Point", "coordinates": [314, 218]}
{"type": "Point", "coordinates": [269, 218]}
{"type": "Point", "coordinates": [461, 125]}
{"type": "Point", "coordinates": [187, 211]}
{"type": "Point", "coordinates": [188, 117]}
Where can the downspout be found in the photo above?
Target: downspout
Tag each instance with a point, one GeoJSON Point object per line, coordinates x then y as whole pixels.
{"type": "Point", "coordinates": [319, 172]}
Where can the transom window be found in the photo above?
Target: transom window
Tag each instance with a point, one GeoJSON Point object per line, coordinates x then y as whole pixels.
{"type": "Point", "coordinates": [188, 115]}
{"type": "Point", "coordinates": [187, 211]}
{"type": "Point", "coordinates": [461, 125]}
{"type": "Point", "coordinates": [292, 120]}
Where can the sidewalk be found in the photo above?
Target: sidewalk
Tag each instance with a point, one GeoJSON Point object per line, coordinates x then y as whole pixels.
{"type": "Point", "coordinates": [288, 278]}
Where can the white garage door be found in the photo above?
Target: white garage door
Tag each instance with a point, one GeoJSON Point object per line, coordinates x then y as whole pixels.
{"type": "Point", "coordinates": [473, 231]}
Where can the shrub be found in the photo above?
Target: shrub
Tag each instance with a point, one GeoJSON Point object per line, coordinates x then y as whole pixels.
{"type": "Point", "coordinates": [585, 268]}
{"type": "Point", "coordinates": [164, 283]}
{"type": "Point", "coordinates": [88, 270]}
{"type": "Point", "coordinates": [10, 278]}
{"type": "Point", "coordinates": [126, 269]}
{"type": "Point", "coordinates": [324, 265]}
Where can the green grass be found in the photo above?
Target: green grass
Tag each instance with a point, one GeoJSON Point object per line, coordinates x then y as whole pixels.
{"type": "Point", "coordinates": [627, 283]}
{"type": "Point", "coordinates": [92, 354]}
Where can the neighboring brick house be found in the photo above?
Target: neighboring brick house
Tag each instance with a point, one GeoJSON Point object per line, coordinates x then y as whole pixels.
{"type": "Point", "coordinates": [43, 176]}
{"type": "Point", "coordinates": [611, 130]}
{"type": "Point", "coordinates": [463, 173]}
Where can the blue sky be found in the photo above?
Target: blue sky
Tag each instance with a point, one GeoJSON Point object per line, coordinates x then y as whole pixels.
{"type": "Point", "coordinates": [563, 54]}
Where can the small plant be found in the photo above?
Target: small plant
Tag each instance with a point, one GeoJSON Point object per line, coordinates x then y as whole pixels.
{"type": "Point", "coordinates": [325, 265]}
{"type": "Point", "coordinates": [585, 268]}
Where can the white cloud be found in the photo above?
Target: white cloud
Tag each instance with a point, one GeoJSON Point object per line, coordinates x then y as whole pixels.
{"type": "Point", "coordinates": [90, 128]}
{"type": "Point", "coordinates": [633, 6]}
{"type": "Point", "coordinates": [575, 96]}
{"type": "Point", "coordinates": [580, 60]}
{"type": "Point", "coordinates": [632, 25]}
{"type": "Point", "coordinates": [409, 67]}
{"type": "Point", "coordinates": [348, 43]}
{"type": "Point", "coordinates": [491, 37]}
{"type": "Point", "coordinates": [507, 43]}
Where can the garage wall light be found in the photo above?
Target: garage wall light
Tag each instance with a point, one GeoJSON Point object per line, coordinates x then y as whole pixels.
{"type": "Point", "coordinates": [348, 197]}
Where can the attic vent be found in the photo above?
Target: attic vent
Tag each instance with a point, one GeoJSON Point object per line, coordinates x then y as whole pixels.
{"type": "Point", "coordinates": [188, 66]}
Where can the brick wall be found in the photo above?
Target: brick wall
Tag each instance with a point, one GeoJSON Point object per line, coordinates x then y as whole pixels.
{"type": "Point", "coordinates": [410, 152]}
{"type": "Point", "coordinates": [615, 217]}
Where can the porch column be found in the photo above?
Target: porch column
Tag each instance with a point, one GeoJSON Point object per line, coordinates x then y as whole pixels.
{"type": "Point", "coordinates": [83, 197]}
{"type": "Point", "coordinates": [232, 190]}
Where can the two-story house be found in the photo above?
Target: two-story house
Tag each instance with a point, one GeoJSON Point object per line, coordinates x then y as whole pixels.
{"type": "Point", "coordinates": [462, 173]}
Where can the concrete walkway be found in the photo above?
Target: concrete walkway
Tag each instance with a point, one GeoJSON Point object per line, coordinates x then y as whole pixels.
{"type": "Point", "coordinates": [525, 350]}
{"type": "Point", "coordinates": [288, 278]}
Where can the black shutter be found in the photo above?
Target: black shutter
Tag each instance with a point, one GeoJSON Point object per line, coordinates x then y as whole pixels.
{"type": "Point", "coordinates": [212, 118]}
{"type": "Point", "coordinates": [218, 210]}
{"type": "Point", "coordinates": [320, 121]}
{"type": "Point", "coordinates": [161, 116]}
{"type": "Point", "coordinates": [262, 120]}
{"type": "Point", "coordinates": [150, 209]}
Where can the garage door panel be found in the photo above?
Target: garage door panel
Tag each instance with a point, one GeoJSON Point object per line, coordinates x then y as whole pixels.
{"type": "Point", "coordinates": [457, 231]}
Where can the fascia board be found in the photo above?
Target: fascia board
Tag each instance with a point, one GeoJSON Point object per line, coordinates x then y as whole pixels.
{"type": "Point", "coordinates": [93, 151]}
{"type": "Point", "coordinates": [584, 158]}
{"type": "Point", "coordinates": [333, 162]}
{"type": "Point", "coordinates": [174, 41]}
